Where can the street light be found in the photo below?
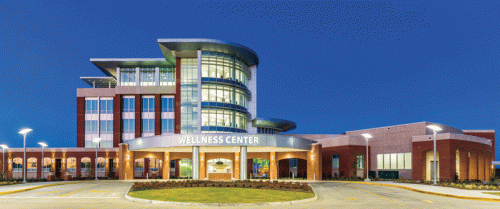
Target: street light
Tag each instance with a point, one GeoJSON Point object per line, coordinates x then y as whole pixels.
{"type": "Point", "coordinates": [4, 147]}
{"type": "Point", "coordinates": [367, 137]}
{"type": "Point", "coordinates": [96, 140]}
{"type": "Point", "coordinates": [435, 129]}
{"type": "Point", "coordinates": [43, 152]}
{"type": "Point", "coordinates": [24, 132]}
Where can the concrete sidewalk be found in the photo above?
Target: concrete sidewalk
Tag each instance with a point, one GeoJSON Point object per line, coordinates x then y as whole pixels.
{"type": "Point", "coordinates": [436, 190]}
{"type": "Point", "coordinates": [16, 187]}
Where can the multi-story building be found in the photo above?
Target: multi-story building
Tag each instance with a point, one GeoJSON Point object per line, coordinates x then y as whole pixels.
{"type": "Point", "coordinates": [193, 114]}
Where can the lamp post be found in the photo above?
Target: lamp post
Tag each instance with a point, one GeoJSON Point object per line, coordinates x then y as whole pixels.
{"type": "Point", "coordinates": [96, 140]}
{"type": "Point", "coordinates": [4, 147]}
{"type": "Point", "coordinates": [367, 137]}
{"type": "Point", "coordinates": [43, 152]}
{"type": "Point", "coordinates": [24, 132]}
{"type": "Point", "coordinates": [435, 129]}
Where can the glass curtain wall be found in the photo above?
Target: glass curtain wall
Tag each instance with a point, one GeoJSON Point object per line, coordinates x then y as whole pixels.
{"type": "Point", "coordinates": [167, 76]}
{"type": "Point", "coordinates": [223, 118]}
{"type": "Point", "coordinates": [127, 77]}
{"type": "Point", "coordinates": [189, 95]}
{"type": "Point", "coordinates": [147, 76]}
{"type": "Point", "coordinates": [224, 66]}
{"type": "Point", "coordinates": [223, 94]}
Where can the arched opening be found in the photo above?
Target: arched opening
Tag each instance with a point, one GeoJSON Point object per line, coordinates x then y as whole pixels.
{"type": "Point", "coordinates": [295, 168]}
{"type": "Point", "coordinates": [85, 167]}
{"type": "Point", "coordinates": [154, 167]}
{"type": "Point", "coordinates": [101, 167]}
{"type": "Point", "coordinates": [71, 165]}
{"type": "Point", "coordinates": [46, 167]}
{"type": "Point", "coordinates": [31, 168]}
{"type": "Point", "coordinates": [181, 168]}
{"type": "Point", "coordinates": [429, 165]}
{"type": "Point", "coordinates": [220, 169]}
{"type": "Point", "coordinates": [260, 168]}
{"type": "Point", "coordinates": [17, 167]}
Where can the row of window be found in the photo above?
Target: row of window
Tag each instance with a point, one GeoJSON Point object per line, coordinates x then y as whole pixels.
{"type": "Point", "coordinates": [223, 118]}
{"type": "Point", "coordinates": [266, 131]}
{"type": "Point", "coordinates": [17, 164]}
{"type": "Point", "coordinates": [147, 76]}
{"type": "Point", "coordinates": [148, 125]}
{"type": "Point", "coordinates": [106, 106]}
{"type": "Point", "coordinates": [224, 94]}
{"type": "Point", "coordinates": [189, 95]}
{"type": "Point", "coordinates": [148, 104]}
{"type": "Point", "coordinates": [359, 161]}
{"type": "Point", "coordinates": [394, 161]}
{"type": "Point", "coordinates": [220, 65]}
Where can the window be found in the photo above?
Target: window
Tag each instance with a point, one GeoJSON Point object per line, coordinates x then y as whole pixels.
{"type": "Point", "coordinates": [85, 164]}
{"type": "Point", "coordinates": [128, 104]}
{"type": "Point", "coordinates": [167, 125]}
{"type": "Point", "coordinates": [106, 106]}
{"type": "Point", "coordinates": [167, 76]}
{"type": "Point", "coordinates": [148, 126]}
{"type": "Point", "coordinates": [335, 161]}
{"type": "Point", "coordinates": [394, 161]}
{"type": "Point", "coordinates": [91, 126]}
{"type": "Point", "coordinates": [17, 165]}
{"type": "Point", "coordinates": [128, 125]}
{"type": "Point", "coordinates": [359, 161]}
{"type": "Point", "coordinates": [167, 104]}
{"type": "Point", "coordinates": [220, 65]}
{"type": "Point", "coordinates": [154, 164]}
{"type": "Point", "coordinates": [147, 76]}
{"type": "Point", "coordinates": [32, 164]}
{"type": "Point", "coordinates": [148, 104]}
{"type": "Point", "coordinates": [71, 164]}
{"type": "Point", "coordinates": [90, 106]}
{"type": "Point", "coordinates": [127, 77]}
{"type": "Point", "coordinates": [47, 164]}
{"type": "Point", "coordinates": [101, 164]}
{"type": "Point", "coordinates": [139, 165]}
{"type": "Point", "coordinates": [293, 163]}
{"type": "Point", "coordinates": [223, 118]}
{"type": "Point", "coordinates": [223, 94]}
{"type": "Point", "coordinates": [106, 127]}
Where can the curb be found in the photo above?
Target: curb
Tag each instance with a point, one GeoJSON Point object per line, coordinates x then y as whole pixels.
{"type": "Point", "coordinates": [38, 187]}
{"type": "Point", "coordinates": [139, 200]}
{"type": "Point", "coordinates": [425, 192]}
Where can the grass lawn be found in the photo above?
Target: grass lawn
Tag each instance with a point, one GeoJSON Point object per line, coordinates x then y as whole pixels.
{"type": "Point", "coordinates": [220, 195]}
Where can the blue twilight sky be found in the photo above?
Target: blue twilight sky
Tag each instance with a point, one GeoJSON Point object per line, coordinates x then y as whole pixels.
{"type": "Point", "coordinates": [329, 66]}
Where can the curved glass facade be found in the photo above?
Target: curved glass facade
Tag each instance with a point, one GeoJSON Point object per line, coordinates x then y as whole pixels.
{"type": "Point", "coordinates": [220, 65]}
{"type": "Point", "coordinates": [223, 94]}
{"type": "Point", "coordinates": [229, 119]}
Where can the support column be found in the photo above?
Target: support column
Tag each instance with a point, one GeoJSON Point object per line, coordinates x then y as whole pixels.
{"type": "Point", "coordinates": [196, 163]}
{"type": "Point", "coordinates": [243, 163]}
{"type": "Point", "coordinates": [203, 168]}
{"type": "Point", "coordinates": [137, 76]}
{"type": "Point", "coordinates": [157, 76]}
{"type": "Point", "coordinates": [126, 163]}
{"type": "Point", "coordinates": [314, 163]}
{"type": "Point", "coordinates": [273, 167]}
{"type": "Point", "coordinates": [236, 168]}
{"type": "Point", "coordinates": [166, 166]}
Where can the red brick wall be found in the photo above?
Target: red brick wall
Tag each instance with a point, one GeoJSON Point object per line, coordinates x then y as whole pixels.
{"type": "Point", "coordinates": [489, 135]}
{"type": "Point", "coordinates": [138, 116]}
{"type": "Point", "coordinates": [177, 113]}
{"type": "Point", "coordinates": [157, 114]}
{"type": "Point", "coordinates": [80, 122]}
{"type": "Point", "coordinates": [117, 120]}
{"type": "Point", "coordinates": [347, 155]}
{"type": "Point", "coordinates": [447, 156]}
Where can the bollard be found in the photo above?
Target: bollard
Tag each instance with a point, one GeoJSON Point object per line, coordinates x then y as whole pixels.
{"type": "Point", "coordinates": [147, 176]}
{"type": "Point", "coordinates": [125, 176]}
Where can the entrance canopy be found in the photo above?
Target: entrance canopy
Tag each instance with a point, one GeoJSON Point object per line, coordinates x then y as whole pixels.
{"type": "Point", "coordinates": [220, 143]}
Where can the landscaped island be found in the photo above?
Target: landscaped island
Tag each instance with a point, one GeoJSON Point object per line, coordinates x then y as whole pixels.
{"type": "Point", "coordinates": [221, 192]}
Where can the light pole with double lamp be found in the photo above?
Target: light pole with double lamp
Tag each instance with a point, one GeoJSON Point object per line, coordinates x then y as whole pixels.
{"type": "Point", "coordinates": [367, 137]}
{"type": "Point", "coordinates": [24, 132]}
{"type": "Point", "coordinates": [96, 140]}
{"type": "Point", "coordinates": [4, 147]}
{"type": "Point", "coordinates": [435, 129]}
{"type": "Point", "coordinates": [43, 158]}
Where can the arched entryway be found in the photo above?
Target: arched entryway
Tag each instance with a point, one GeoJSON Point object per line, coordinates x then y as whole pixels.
{"type": "Point", "coordinates": [292, 168]}
{"type": "Point", "coordinates": [429, 165]}
{"type": "Point", "coordinates": [181, 168]}
{"type": "Point", "coordinates": [259, 168]}
{"type": "Point", "coordinates": [220, 169]}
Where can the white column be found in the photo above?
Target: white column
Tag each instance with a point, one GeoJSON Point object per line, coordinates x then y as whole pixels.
{"type": "Point", "coordinates": [157, 76]}
{"type": "Point", "coordinates": [252, 104]}
{"type": "Point", "coordinates": [137, 81]}
{"type": "Point", "coordinates": [118, 76]}
{"type": "Point", "coordinates": [243, 163]}
{"type": "Point", "coordinates": [199, 91]}
{"type": "Point", "coordinates": [196, 163]}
